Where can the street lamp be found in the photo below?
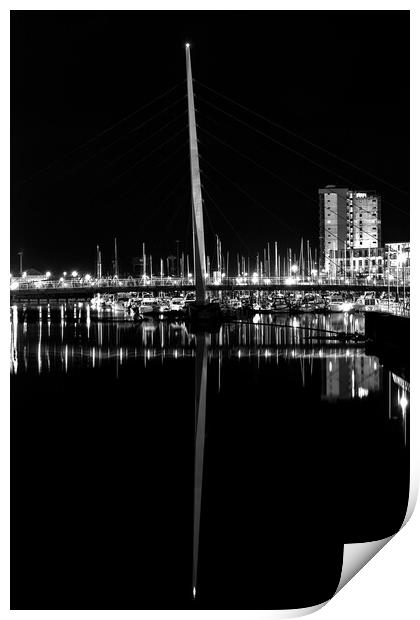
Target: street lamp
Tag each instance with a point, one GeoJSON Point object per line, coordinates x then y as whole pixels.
{"type": "Point", "coordinates": [400, 263]}
{"type": "Point", "coordinates": [374, 275]}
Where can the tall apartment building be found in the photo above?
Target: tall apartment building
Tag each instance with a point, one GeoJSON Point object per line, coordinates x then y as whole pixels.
{"type": "Point", "coordinates": [350, 231]}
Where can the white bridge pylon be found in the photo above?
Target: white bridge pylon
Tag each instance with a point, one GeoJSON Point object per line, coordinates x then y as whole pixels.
{"type": "Point", "coordinates": [197, 201]}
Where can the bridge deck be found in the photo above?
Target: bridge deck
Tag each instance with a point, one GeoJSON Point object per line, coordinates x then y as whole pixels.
{"type": "Point", "coordinates": [74, 290]}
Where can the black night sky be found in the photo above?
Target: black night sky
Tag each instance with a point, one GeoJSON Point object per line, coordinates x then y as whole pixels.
{"type": "Point", "coordinates": [339, 79]}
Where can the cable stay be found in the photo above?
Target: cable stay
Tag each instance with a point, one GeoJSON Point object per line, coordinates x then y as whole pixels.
{"type": "Point", "coordinates": [276, 176]}
{"type": "Point", "coordinates": [125, 136]}
{"type": "Point", "coordinates": [101, 133]}
{"type": "Point", "coordinates": [303, 139]}
{"type": "Point", "coordinates": [290, 185]}
{"type": "Point", "coordinates": [161, 163]}
{"type": "Point", "coordinates": [149, 154]}
{"type": "Point", "coordinates": [245, 193]}
{"type": "Point", "coordinates": [292, 150]}
{"type": "Point", "coordinates": [146, 139]}
{"type": "Point", "coordinates": [227, 220]}
{"type": "Point", "coordinates": [259, 205]}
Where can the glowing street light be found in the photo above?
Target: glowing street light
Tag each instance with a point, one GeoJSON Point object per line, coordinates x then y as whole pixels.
{"type": "Point", "coordinates": [48, 274]}
{"type": "Point", "coordinates": [74, 274]}
{"type": "Point", "coordinates": [64, 273]}
{"type": "Point", "coordinates": [294, 268]}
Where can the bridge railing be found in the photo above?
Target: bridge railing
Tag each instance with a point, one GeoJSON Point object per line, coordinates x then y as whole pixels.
{"type": "Point", "coordinates": [22, 284]}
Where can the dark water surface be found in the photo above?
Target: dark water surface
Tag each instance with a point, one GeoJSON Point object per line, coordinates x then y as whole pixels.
{"type": "Point", "coordinates": [127, 494]}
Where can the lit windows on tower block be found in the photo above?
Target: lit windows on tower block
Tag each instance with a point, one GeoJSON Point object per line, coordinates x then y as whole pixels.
{"type": "Point", "coordinates": [350, 231]}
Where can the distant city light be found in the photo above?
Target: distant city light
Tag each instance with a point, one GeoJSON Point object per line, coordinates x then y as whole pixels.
{"type": "Point", "coordinates": [403, 402]}
{"type": "Point", "coordinates": [294, 268]}
{"type": "Point", "coordinates": [88, 277]}
{"type": "Point", "coordinates": [74, 274]}
{"type": "Point", "coordinates": [48, 274]}
{"type": "Point", "coordinates": [61, 279]}
{"type": "Point", "coordinates": [64, 273]}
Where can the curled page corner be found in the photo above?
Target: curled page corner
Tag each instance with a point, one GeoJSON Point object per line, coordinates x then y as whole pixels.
{"type": "Point", "coordinates": [295, 613]}
{"type": "Point", "coordinates": [414, 488]}
{"type": "Point", "coordinates": [356, 556]}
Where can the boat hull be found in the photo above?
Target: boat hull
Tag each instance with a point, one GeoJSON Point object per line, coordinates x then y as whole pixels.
{"type": "Point", "coordinates": [204, 313]}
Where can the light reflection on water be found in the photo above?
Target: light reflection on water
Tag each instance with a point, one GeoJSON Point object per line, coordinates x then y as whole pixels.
{"type": "Point", "coordinates": [78, 340]}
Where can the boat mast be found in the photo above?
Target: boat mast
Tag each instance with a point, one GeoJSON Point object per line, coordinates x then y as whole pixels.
{"type": "Point", "coordinates": [198, 223]}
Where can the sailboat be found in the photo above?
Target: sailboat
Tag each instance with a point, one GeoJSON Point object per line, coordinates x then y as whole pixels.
{"type": "Point", "coordinates": [201, 311]}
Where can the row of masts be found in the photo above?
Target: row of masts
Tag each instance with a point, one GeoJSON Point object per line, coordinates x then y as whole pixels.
{"type": "Point", "coordinates": [268, 263]}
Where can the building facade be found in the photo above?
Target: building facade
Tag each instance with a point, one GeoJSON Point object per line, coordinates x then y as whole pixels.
{"type": "Point", "coordinates": [366, 263]}
{"type": "Point", "coordinates": [350, 232]}
{"type": "Point", "coordinates": [397, 261]}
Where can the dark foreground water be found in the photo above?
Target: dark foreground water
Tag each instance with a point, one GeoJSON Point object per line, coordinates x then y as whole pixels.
{"type": "Point", "coordinates": [129, 493]}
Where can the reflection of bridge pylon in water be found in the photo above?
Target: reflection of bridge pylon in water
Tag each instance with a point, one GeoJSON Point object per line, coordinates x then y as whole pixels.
{"type": "Point", "coordinates": [200, 427]}
{"type": "Point", "coordinates": [201, 311]}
